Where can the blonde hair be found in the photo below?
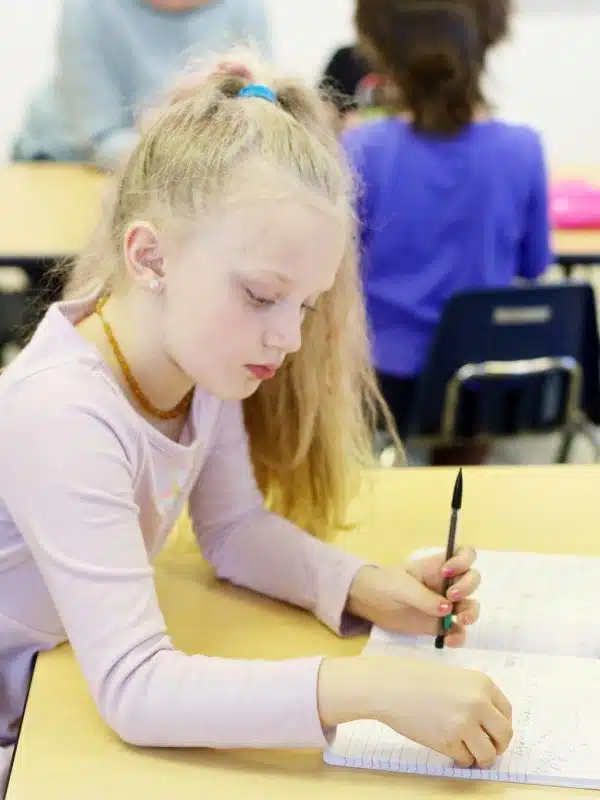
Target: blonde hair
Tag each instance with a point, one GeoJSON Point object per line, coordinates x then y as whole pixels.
{"type": "Point", "coordinates": [310, 428]}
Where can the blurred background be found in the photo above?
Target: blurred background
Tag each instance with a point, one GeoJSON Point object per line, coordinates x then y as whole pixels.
{"type": "Point", "coordinates": [547, 75]}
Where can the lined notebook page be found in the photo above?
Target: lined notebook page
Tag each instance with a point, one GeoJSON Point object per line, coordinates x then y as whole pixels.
{"type": "Point", "coordinates": [556, 707]}
{"type": "Point", "coordinates": [537, 603]}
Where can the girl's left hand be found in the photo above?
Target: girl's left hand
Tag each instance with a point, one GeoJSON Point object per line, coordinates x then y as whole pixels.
{"type": "Point", "coordinates": [409, 600]}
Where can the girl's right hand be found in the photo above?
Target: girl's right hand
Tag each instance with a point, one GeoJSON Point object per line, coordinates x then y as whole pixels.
{"type": "Point", "coordinates": [458, 712]}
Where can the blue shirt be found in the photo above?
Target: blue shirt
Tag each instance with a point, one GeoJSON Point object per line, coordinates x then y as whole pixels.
{"type": "Point", "coordinates": [113, 58]}
{"type": "Point", "coordinates": [439, 216]}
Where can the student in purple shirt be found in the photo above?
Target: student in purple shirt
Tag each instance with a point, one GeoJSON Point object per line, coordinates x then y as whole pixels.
{"type": "Point", "coordinates": [452, 199]}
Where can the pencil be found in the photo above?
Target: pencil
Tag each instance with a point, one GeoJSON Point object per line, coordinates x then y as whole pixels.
{"type": "Point", "coordinates": [446, 622]}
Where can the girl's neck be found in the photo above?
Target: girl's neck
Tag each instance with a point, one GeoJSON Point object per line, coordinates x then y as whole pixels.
{"type": "Point", "coordinates": [159, 378]}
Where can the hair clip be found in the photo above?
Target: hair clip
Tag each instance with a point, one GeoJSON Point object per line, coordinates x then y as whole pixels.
{"type": "Point", "coordinates": [258, 90]}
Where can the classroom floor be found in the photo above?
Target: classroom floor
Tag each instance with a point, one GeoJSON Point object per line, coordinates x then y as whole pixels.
{"type": "Point", "coordinates": [540, 450]}
{"type": "Point", "coordinates": [526, 450]}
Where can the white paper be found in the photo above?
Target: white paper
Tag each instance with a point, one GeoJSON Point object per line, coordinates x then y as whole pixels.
{"type": "Point", "coordinates": [538, 638]}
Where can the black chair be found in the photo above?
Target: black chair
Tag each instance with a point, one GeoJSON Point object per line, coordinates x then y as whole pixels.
{"type": "Point", "coordinates": [13, 303]}
{"type": "Point", "coordinates": [509, 362]}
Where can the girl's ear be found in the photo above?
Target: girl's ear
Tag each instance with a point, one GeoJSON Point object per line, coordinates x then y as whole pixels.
{"type": "Point", "coordinates": [143, 254]}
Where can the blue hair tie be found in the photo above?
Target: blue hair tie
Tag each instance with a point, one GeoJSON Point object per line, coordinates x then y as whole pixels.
{"type": "Point", "coordinates": [258, 90]}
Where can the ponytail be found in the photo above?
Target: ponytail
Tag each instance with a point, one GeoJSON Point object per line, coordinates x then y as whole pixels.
{"type": "Point", "coordinates": [433, 52]}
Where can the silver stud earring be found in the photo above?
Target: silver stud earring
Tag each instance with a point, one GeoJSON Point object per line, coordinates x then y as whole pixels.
{"type": "Point", "coordinates": [155, 286]}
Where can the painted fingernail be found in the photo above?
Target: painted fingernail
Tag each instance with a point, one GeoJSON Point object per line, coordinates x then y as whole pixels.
{"type": "Point", "coordinates": [447, 572]}
{"type": "Point", "coordinates": [454, 594]}
{"type": "Point", "coordinates": [445, 608]}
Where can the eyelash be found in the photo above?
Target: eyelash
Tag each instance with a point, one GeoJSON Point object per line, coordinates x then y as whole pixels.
{"type": "Point", "coordinates": [264, 302]}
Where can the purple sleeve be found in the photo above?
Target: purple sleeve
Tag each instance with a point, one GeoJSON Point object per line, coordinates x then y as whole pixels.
{"type": "Point", "coordinates": [536, 254]}
{"type": "Point", "coordinates": [254, 548]}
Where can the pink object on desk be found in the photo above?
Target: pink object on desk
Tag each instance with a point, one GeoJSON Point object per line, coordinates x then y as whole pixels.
{"type": "Point", "coordinates": [575, 205]}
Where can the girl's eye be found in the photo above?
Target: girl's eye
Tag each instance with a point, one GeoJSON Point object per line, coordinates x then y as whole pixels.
{"type": "Point", "coordinates": [257, 300]}
{"type": "Point", "coordinates": [264, 302]}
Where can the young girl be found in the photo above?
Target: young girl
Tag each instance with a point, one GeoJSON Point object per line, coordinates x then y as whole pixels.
{"type": "Point", "coordinates": [230, 240]}
{"type": "Point", "coordinates": [453, 199]}
{"type": "Point", "coordinates": [112, 57]}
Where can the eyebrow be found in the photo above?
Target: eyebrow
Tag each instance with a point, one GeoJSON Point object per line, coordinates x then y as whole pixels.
{"type": "Point", "coordinates": [285, 280]}
{"type": "Point", "coordinates": [279, 276]}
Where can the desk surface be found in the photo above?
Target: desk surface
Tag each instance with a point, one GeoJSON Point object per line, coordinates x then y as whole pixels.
{"type": "Point", "coordinates": [68, 750]}
{"type": "Point", "coordinates": [49, 210]}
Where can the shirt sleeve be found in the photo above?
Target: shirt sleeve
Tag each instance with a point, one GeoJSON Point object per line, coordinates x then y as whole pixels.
{"type": "Point", "coordinates": [253, 26]}
{"type": "Point", "coordinates": [251, 547]}
{"type": "Point", "coordinates": [88, 89]}
{"type": "Point", "coordinates": [67, 481]}
{"type": "Point", "coordinates": [536, 254]}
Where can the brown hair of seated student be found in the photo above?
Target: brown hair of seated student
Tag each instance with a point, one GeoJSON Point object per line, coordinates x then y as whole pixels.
{"type": "Point", "coordinates": [435, 53]}
{"type": "Point", "coordinates": [493, 20]}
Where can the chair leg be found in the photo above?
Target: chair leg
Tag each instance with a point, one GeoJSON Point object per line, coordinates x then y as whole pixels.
{"type": "Point", "coordinates": [592, 434]}
{"type": "Point", "coordinates": [585, 428]}
{"type": "Point", "coordinates": [568, 437]}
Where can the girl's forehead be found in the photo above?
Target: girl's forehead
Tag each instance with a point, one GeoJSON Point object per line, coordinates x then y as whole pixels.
{"type": "Point", "coordinates": [304, 243]}
{"type": "Point", "coordinates": [271, 223]}
{"type": "Point", "coordinates": [256, 180]}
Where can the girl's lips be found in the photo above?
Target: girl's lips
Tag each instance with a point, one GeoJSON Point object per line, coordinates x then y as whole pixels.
{"type": "Point", "coordinates": [261, 372]}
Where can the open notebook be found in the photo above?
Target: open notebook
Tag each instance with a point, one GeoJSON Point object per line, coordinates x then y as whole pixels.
{"type": "Point", "coordinates": [538, 638]}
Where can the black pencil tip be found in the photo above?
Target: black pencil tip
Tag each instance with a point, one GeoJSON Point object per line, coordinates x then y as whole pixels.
{"type": "Point", "coordinates": [458, 490]}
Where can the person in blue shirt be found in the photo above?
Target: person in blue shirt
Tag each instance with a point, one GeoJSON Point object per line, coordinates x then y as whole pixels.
{"type": "Point", "coordinates": [451, 199]}
{"type": "Point", "coordinates": [112, 58]}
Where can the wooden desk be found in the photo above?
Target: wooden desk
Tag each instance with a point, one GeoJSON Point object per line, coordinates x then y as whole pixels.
{"type": "Point", "coordinates": [66, 749]}
{"type": "Point", "coordinates": [572, 248]}
{"type": "Point", "coordinates": [47, 210]}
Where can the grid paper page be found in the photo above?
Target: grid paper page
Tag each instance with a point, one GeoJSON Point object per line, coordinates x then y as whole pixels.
{"type": "Point", "coordinates": [556, 708]}
{"type": "Point", "coordinates": [538, 604]}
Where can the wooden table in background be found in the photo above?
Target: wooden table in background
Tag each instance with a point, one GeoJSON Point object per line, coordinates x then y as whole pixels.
{"type": "Point", "coordinates": [574, 248]}
{"type": "Point", "coordinates": [66, 751]}
{"type": "Point", "coordinates": [47, 210]}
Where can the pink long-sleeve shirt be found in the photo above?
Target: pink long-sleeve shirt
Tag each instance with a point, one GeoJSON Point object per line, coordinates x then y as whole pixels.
{"type": "Point", "coordinates": [89, 491]}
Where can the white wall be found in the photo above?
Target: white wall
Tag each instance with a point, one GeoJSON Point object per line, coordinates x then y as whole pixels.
{"type": "Point", "coordinates": [549, 75]}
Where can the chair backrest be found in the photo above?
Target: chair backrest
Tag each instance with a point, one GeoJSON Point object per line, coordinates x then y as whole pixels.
{"type": "Point", "coordinates": [12, 314]}
{"type": "Point", "coordinates": [14, 286]}
{"type": "Point", "coordinates": [509, 361]}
